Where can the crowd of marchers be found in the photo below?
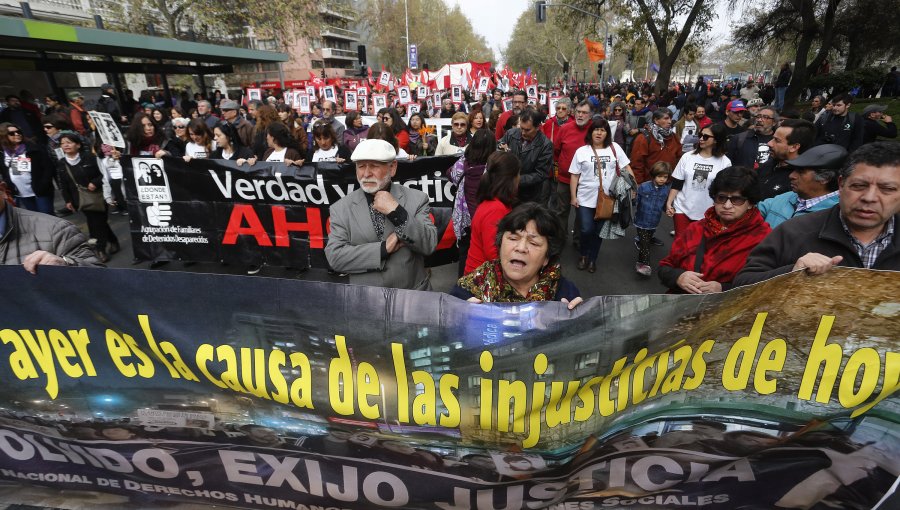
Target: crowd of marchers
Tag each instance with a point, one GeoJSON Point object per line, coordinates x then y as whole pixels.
{"type": "Point", "coordinates": [754, 189]}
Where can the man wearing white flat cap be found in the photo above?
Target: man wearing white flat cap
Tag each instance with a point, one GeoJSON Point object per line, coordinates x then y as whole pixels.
{"type": "Point", "coordinates": [381, 232]}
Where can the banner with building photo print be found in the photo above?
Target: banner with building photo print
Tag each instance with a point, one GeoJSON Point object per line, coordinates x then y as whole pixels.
{"type": "Point", "coordinates": [126, 388]}
{"type": "Point", "coordinates": [215, 210]}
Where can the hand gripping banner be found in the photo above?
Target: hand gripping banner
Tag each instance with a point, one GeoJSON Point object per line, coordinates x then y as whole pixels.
{"type": "Point", "coordinates": [133, 389]}
{"type": "Point", "coordinates": [214, 210]}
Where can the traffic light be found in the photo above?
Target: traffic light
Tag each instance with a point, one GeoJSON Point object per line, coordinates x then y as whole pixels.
{"type": "Point", "coordinates": [609, 40]}
{"type": "Point", "coordinates": [540, 11]}
{"type": "Point", "coordinates": [600, 69]}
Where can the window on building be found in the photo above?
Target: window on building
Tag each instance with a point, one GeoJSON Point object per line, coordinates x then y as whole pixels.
{"type": "Point", "coordinates": [587, 360]}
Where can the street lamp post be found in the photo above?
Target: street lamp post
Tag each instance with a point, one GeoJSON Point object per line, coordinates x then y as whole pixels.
{"type": "Point", "coordinates": [543, 5]}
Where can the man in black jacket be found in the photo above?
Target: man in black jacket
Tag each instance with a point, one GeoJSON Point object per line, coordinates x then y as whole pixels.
{"type": "Point", "coordinates": [872, 129]}
{"type": "Point", "coordinates": [840, 126]}
{"type": "Point", "coordinates": [535, 153]}
{"type": "Point", "coordinates": [858, 232]}
{"type": "Point", "coordinates": [109, 104]}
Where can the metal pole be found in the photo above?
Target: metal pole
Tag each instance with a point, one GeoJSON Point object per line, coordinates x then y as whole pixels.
{"type": "Point", "coordinates": [589, 14]}
{"type": "Point", "coordinates": [406, 11]}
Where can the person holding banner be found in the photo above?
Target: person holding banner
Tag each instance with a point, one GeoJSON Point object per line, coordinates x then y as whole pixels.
{"type": "Point", "coordinates": [422, 141]}
{"type": "Point", "coordinates": [200, 144]}
{"type": "Point", "coordinates": [381, 232]}
{"type": "Point", "coordinates": [708, 254]}
{"type": "Point", "coordinates": [858, 232]}
{"type": "Point", "coordinates": [80, 176]}
{"type": "Point", "coordinates": [529, 241]}
{"type": "Point", "coordinates": [228, 144]}
{"type": "Point", "coordinates": [34, 239]}
{"type": "Point", "coordinates": [326, 147]}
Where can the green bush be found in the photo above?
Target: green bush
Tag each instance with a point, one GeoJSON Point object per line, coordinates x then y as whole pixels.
{"type": "Point", "coordinates": [844, 81]}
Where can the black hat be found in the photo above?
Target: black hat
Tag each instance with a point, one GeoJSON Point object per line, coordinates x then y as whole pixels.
{"type": "Point", "coordinates": [821, 157]}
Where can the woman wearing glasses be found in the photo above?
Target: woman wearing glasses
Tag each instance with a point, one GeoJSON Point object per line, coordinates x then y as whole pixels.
{"type": "Point", "coordinates": [689, 197]}
{"type": "Point", "coordinates": [709, 253]}
{"type": "Point", "coordinates": [28, 168]}
{"type": "Point", "coordinates": [459, 137]}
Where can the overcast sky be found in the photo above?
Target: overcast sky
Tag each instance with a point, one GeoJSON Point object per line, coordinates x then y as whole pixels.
{"type": "Point", "coordinates": [494, 20]}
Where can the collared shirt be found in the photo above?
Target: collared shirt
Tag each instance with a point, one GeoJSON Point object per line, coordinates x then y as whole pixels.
{"type": "Point", "coordinates": [803, 205]}
{"type": "Point", "coordinates": [869, 253]}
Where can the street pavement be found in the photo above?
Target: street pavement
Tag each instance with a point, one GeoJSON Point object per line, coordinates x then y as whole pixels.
{"type": "Point", "coordinates": [615, 267]}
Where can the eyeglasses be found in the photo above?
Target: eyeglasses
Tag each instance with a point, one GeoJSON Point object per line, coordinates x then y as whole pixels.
{"type": "Point", "coordinates": [48, 126]}
{"type": "Point", "coordinates": [180, 127]}
{"type": "Point", "coordinates": [735, 199]}
{"type": "Point", "coordinates": [617, 109]}
{"type": "Point", "coordinates": [767, 117]}
{"type": "Point", "coordinates": [459, 124]}
{"type": "Point", "coordinates": [705, 137]}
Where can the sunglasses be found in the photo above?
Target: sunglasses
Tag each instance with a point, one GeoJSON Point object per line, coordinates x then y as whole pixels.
{"type": "Point", "coordinates": [180, 127]}
{"type": "Point", "coordinates": [13, 133]}
{"type": "Point", "coordinates": [48, 126]}
{"type": "Point", "coordinates": [706, 137]}
{"type": "Point", "coordinates": [459, 124]}
{"type": "Point", "coordinates": [735, 200]}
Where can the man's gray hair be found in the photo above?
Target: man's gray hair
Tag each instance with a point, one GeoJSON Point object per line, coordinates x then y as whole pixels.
{"type": "Point", "coordinates": [204, 102]}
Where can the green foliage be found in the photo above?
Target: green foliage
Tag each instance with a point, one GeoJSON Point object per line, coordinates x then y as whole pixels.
{"type": "Point", "coordinates": [545, 46]}
{"type": "Point", "coordinates": [844, 81]}
{"type": "Point", "coordinates": [213, 21]}
{"type": "Point", "coordinates": [443, 35]}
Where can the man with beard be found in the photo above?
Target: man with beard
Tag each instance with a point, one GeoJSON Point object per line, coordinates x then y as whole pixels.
{"type": "Point", "coordinates": [751, 148]}
{"type": "Point", "coordinates": [792, 138]}
{"type": "Point", "coordinates": [381, 232]}
{"type": "Point", "coordinates": [657, 142]}
{"type": "Point", "coordinates": [519, 98]}
{"type": "Point", "coordinates": [328, 110]}
{"type": "Point", "coordinates": [813, 185]}
{"type": "Point", "coordinates": [840, 125]}
{"type": "Point", "coordinates": [567, 141]}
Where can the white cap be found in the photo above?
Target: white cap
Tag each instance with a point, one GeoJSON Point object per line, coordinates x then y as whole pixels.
{"type": "Point", "coordinates": [374, 150]}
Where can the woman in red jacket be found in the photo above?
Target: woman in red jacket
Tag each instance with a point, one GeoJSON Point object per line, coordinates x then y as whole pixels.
{"type": "Point", "coordinates": [707, 255]}
{"type": "Point", "coordinates": [497, 195]}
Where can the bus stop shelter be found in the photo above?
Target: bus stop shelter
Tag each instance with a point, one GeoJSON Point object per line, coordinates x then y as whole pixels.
{"type": "Point", "coordinates": [33, 45]}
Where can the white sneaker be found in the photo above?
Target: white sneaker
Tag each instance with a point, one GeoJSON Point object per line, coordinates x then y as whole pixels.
{"type": "Point", "coordinates": [643, 269]}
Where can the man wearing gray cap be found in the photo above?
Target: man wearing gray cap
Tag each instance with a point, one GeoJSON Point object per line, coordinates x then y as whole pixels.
{"type": "Point", "coordinates": [814, 187]}
{"type": "Point", "coordinates": [381, 232]}
{"type": "Point", "coordinates": [872, 129]}
{"type": "Point", "coordinates": [231, 115]}
{"type": "Point", "coordinates": [858, 232]}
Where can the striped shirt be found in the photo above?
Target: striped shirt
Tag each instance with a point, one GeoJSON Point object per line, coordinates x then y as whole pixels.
{"type": "Point", "coordinates": [803, 205]}
{"type": "Point", "coordinates": [869, 253]}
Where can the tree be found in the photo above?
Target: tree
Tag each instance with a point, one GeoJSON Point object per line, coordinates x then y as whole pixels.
{"type": "Point", "coordinates": [211, 21]}
{"type": "Point", "coordinates": [808, 25]}
{"type": "Point", "coordinates": [864, 38]}
{"type": "Point", "coordinates": [442, 35]}
{"type": "Point", "coordinates": [546, 46]}
{"type": "Point", "coordinates": [670, 24]}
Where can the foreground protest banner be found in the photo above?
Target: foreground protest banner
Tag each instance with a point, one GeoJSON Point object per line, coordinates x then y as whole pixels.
{"type": "Point", "coordinates": [126, 388]}
{"type": "Point", "coordinates": [209, 210]}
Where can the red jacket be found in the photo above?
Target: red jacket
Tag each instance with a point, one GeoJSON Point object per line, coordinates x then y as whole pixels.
{"type": "Point", "coordinates": [483, 246]}
{"type": "Point", "coordinates": [551, 127]}
{"type": "Point", "coordinates": [498, 131]}
{"type": "Point", "coordinates": [726, 250]}
{"type": "Point", "coordinates": [568, 140]}
{"type": "Point", "coordinates": [646, 151]}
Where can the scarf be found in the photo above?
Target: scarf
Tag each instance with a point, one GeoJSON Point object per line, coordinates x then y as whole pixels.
{"type": "Point", "coordinates": [486, 283]}
{"type": "Point", "coordinates": [727, 246]}
{"type": "Point", "coordinates": [660, 134]}
{"type": "Point", "coordinates": [15, 153]}
{"type": "Point", "coordinates": [414, 137]}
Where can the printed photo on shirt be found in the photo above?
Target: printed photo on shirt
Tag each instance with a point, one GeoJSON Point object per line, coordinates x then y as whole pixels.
{"type": "Point", "coordinates": [701, 176]}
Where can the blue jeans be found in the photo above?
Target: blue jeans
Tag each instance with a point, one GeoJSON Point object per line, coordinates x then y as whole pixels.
{"type": "Point", "coordinates": [779, 97]}
{"type": "Point", "coordinates": [590, 242]}
{"type": "Point", "coordinates": [36, 203]}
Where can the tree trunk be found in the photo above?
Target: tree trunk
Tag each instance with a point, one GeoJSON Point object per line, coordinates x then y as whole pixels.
{"type": "Point", "coordinates": [811, 30]}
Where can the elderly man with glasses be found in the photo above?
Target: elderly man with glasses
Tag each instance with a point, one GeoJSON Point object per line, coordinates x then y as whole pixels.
{"type": "Point", "coordinates": [328, 111]}
{"type": "Point", "coordinates": [751, 147]}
